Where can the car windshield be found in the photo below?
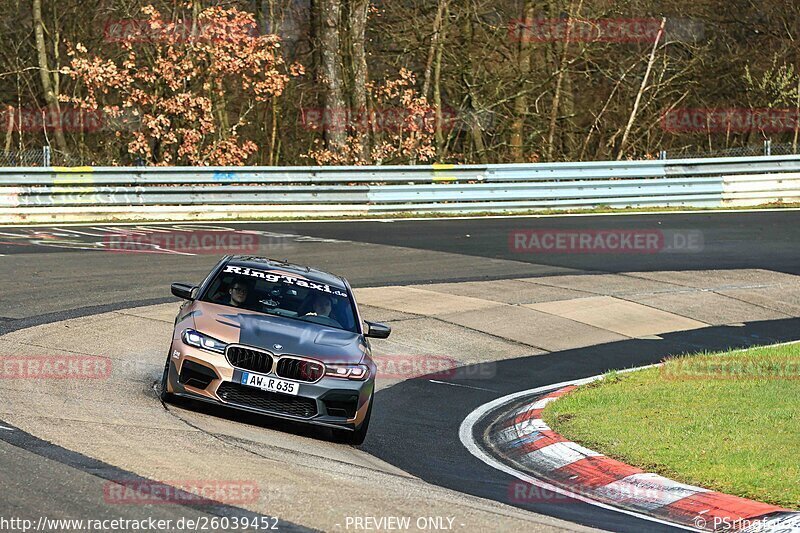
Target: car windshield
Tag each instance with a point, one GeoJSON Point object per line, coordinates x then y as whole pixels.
{"type": "Point", "coordinates": [283, 294]}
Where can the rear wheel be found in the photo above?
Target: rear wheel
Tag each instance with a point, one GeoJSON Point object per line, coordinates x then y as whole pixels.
{"type": "Point", "coordinates": [356, 437]}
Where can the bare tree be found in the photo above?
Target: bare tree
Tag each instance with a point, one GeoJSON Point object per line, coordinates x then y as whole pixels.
{"type": "Point", "coordinates": [624, 142]}
{"type": "Point", "coordinates": [330, 46]}
{"type": "Point", "coordinates": [436, 38]}
{"type": "Point", "coordinates": [561, 72]}
{"type": "Point", "coordinates": [49, 86]}
{"type": "Point", "coordinates": [524, 66]}
{"type": "Point", "coordinates": [359, 12]}
{"type": "Point", "coordinates": [441, 149]}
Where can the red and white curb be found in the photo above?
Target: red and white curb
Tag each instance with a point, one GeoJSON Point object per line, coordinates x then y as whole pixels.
{"type": "Point", "coordinates": [524, 446]}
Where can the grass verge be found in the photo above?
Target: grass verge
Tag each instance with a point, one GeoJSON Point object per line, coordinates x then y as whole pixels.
{"type": "Point", "coordinates": [725, 421]}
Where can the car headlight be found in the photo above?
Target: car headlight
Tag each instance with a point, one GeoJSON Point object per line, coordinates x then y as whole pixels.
{"type": "Point", "coordinates": [204, 342]}
{"type": "Point", "coordinates": [347, 371]}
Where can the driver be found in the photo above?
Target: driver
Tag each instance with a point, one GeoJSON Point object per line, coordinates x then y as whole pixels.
{"type": "Point", "coordinates": [237, 294]}
{"type": "Point", "coordinates": [321, 306]}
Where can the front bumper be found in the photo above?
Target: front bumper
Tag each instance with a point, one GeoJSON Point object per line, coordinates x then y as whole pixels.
{"type": "Point", "coordinates": [206, 376]}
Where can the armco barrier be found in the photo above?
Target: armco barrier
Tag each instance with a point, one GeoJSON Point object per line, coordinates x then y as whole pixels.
{"type": "Point", "coordinates": [170, 193]}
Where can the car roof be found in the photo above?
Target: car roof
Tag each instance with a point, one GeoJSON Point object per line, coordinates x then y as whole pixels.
{"type": "Point", "coordinates": [265, 263]}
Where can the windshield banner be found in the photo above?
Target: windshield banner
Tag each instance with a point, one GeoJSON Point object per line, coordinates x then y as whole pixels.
{"type": "Point", "coordinates": [277, 277]}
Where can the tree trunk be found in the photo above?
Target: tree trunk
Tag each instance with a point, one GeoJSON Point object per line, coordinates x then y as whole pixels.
{"type": "Point", "coordinates": [472, 105]}
{"type": "Point", "coordinates": [359, 11]}
{"type": "Point", "coordinates": [334, 112]}
{"type": "Point", "coordinates": [50, 95]}
{"type": "Point", "coordinates": [562, 67]}
{"type": "Point", "coordinates": [433, 48]}
{"type": "Point", "coordinates": [521, 100]}
{"type": "Point", "coordinates": [270, 25]}
{"type": "Point", "coordinates": [441, 149]}
{"type": "Point", "coordinates": [314, 32]}
{"type": "Point", "coordinates": [796, 118]}
{"type": "Point", "coordinates": [566, 137]}
{"type": "Point", "coordinates": [10, 130]}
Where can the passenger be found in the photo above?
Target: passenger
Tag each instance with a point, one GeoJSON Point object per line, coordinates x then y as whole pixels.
{"type": "Point", "coordinates": [237, 294]}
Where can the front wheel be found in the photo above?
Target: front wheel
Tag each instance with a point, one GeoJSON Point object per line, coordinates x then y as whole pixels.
{"type": "Point", "coordinates": [356, 437]}
{"type": "Point", "coordinates": [165, 396]}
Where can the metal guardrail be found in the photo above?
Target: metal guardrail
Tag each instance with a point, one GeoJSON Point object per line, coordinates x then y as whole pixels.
{"type": "Point", "coordinates": [26, 193]}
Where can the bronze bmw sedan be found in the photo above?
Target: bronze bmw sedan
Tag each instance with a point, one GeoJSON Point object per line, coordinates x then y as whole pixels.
{"type": "Point", "coordinates": [277, 339]}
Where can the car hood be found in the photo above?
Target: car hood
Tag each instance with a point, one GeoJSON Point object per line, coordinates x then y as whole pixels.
{"type": "Point", "coordinates": [295, 337]}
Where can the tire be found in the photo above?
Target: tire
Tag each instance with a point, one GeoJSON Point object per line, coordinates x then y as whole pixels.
{"type": "Point", "coordinates": [165, 396]}
{"type": "Point", "coordinates": [356, 438]}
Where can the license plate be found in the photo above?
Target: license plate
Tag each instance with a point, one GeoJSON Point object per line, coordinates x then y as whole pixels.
{"type": "Point", "coordinates": [270, 384]}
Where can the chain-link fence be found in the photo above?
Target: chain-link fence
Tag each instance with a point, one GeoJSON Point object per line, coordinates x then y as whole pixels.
{"type": "Point", "coordinates": [36, 157]}
{"type": "Point", "coordinates": [46, 156]}
{"type": "Point", "coordinates": [22, 158]}
{"type": "Point", "coordinates": [767, 148]}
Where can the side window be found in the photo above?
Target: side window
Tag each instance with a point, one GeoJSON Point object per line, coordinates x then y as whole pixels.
{"type": "Point", "coordinates": [207, 280]}
{"type": "Point", "coordinates": [216, 292]}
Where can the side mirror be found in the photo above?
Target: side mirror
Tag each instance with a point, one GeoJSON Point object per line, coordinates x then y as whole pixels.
{"type": "Point", "coordinates": [183, 290]}
{"type": "Point", "coordinates": [377, 331]}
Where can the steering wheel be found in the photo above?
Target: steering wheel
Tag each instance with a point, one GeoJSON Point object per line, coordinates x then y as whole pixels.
{"type": "Point", "coordinates": [323, 320]}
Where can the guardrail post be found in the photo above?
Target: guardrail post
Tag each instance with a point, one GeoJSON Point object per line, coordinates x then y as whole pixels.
{"type": "Point", "coordinates": [768, 147]}
{"type": "Point", "coordinates": [46, 156]}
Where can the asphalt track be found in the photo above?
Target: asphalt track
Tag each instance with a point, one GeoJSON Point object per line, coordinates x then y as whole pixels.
{"type": "Point", "coordinates": [52, 274]}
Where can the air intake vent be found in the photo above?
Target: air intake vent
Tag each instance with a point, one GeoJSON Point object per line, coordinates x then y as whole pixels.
{"type": "Point", "coordinates": [196, 375]}
{"type": "Point", "coordinates": [343, 404]}
{"type": "Point", "coordinates": [284, 404]}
